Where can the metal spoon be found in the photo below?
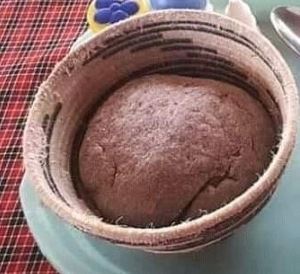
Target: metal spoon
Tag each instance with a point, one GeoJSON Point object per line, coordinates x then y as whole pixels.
{"type": "Point", "coordinates": [286, 21]}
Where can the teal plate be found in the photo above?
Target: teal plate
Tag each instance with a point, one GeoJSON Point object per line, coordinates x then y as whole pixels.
{"type": "Point", "coordinates": [270, 244]}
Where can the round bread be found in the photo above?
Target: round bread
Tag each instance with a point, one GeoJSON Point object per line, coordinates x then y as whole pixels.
{"type": "Point", "coordinates": [164, 149]}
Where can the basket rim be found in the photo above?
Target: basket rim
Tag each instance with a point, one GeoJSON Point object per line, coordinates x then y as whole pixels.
{"type": "Point", "coordinates": [146, 237]}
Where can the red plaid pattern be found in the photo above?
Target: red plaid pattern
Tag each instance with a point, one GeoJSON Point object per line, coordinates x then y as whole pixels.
{"type": "Point", "coordinates": [34, 35]}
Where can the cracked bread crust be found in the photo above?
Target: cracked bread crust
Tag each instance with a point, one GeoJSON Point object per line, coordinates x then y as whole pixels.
{"type": "Point", "coordinates": [163, 149]}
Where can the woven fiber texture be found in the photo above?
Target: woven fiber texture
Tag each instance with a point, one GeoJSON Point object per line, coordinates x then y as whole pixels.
{"type": "Point", "coordinates": [34, 35]}
{"type": "Point", "coordinates": [188, 43]}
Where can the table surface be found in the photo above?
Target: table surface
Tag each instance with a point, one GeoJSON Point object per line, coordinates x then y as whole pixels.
{"type": "Point", "coordinates": [34, 35]}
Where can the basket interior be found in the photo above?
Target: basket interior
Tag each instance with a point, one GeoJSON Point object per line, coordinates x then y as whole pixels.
{"type": "Point", "coordinates": [201, 46]}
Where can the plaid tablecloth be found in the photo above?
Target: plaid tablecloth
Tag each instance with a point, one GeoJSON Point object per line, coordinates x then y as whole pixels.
{"type": "Point", "coordinates": [34, 35]}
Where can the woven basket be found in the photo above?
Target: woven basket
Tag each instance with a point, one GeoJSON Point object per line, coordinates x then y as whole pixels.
{"type": "Point", "coordinates": [193, 43]}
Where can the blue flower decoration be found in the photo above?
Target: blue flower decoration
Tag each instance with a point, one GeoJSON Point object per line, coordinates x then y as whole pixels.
{"type": "Point", "coordinates": [112, 11]}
